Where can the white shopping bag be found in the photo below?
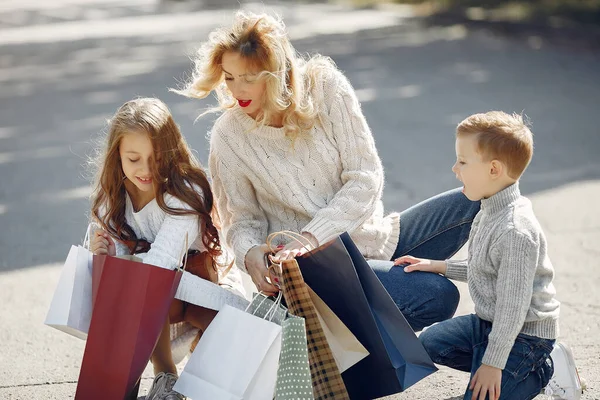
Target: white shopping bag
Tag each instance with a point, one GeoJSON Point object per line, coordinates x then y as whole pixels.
{"type": "Point", "coordinates": [71, 307]}
{"type": "Point", "coordinates": [237, 358]}
{"type": "Point", "coordinates": [195, 290]}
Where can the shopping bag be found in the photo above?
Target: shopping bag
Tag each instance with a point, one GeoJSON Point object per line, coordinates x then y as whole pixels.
{"type": "Point", "coordinates": [346, 349]}
{"type": "Point", "coordinates": [131, 303]}
{"type": "Point", "coordinates": [294, 381]}
{"type": "Point", "coordinates": [70, 310]}
{"type": "Point", "coordinates": [266, 307]}
{"type": "Point", "coordinates": [293, 375]}
{"type": "Point", "coordinates": [326, 379]}
{"type": "Point", "coordinates": [340, 275]}
{"type": "Point", "coordinates": [237, 358]}
{"type": "Point", "coordinates": [201, 292]}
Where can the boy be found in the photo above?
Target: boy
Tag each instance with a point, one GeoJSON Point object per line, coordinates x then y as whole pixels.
{"type": "Point", "coordinates": [506, 344]}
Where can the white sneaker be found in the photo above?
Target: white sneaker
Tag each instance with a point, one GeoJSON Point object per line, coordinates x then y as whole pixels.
{"type": "Point", "coordinates": [565, 383]}
{"type": "Point", "coordinates": [162, 388]}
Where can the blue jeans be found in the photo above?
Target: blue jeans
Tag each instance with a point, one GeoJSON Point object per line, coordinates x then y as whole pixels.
{"type": "Point", "coordinates": [435, 228]}
{"type": "Point", "coordinates": [460, 343]}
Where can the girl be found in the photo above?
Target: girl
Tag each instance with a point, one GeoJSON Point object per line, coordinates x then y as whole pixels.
{"type": "Point", "coordinates": [149, 187]}
{"type": "Point", "coordinates": [293, 151]}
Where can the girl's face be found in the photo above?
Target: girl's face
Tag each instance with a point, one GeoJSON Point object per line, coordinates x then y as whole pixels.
{"type": "Point", "coordinates": [243, 84]}
{"type": "Point", "coordinates": [137, 158]}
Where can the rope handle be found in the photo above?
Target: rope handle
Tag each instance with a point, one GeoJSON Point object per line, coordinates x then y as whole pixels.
{"type": "Point", "coordinates": [86, 239]}
{"type": "Point", "coordinates": [274, 272]}
{"type": "Point", "coordinates": [184, 257]}
{"type": "Point", "coordinates": [272, 311]}
{"type": "Point", "coordinates": [292, 235]}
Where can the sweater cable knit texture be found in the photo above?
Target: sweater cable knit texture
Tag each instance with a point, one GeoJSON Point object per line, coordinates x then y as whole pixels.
{"type": "Point", "coordinates": [509, 273]}
{"type": "Point", "coordinates": [326, 182]}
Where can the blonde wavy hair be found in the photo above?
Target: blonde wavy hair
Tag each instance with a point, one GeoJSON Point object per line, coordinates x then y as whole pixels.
{"type": "Point", "coordinates": [262, 42]}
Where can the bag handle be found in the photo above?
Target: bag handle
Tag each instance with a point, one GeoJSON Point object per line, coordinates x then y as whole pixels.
{"type": "Point", "coordinates": [184, 257]}
{"type": "Point", "coordinates": [272, 311]}
{"type": "Point", "coordinates": [87, 239]}
{"type": "Point", "coordinates": [292, 235]}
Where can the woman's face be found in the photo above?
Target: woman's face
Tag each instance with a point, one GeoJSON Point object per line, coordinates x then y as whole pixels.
{"type": "Point", "coordinates": [243, 84]}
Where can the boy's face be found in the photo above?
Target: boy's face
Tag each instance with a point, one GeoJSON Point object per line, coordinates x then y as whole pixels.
{"type": "Point", "coordinates": [472, 170]}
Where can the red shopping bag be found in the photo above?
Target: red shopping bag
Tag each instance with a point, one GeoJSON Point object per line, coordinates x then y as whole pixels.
{"type": "Point", "coordinates": [131, 303]}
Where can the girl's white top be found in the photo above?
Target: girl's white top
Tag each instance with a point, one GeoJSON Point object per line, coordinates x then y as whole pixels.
{"type": "Point", "coordinates": [166, 233]}
{"type": "Point", "coordinates": [326, 182]}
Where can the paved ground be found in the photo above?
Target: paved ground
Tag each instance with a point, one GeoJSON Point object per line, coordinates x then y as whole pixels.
{"type": "Point", "coordinates": [66, 65]}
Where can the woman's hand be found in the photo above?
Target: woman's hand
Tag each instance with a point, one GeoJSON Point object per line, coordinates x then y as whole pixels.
{"type": "Point", "coordinates": [102, 243]}
{"type": "Point", "coordinates": [294, 248]}
{"type": "Point", "coordinates": [257, 268]}
{"type": "Point", "coordinates": [421, 264]}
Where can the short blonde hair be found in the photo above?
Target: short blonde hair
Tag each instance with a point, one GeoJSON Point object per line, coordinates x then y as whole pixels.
{"type": "Point", "coordinates": [501, 136]}
{"type": "Point", "coordinates": [262, 42]}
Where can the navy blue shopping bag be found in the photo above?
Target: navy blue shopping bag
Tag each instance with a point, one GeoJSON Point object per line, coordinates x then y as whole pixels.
{"type": "Point", "coordinates": [341, 276]}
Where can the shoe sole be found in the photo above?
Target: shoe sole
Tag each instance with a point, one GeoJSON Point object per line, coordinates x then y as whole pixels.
{"type": "Point", "coordinates": [571, 361]}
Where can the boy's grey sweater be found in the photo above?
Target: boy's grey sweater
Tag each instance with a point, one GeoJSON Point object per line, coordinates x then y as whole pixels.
{"type": "Point", "coordinates": [509, 273]}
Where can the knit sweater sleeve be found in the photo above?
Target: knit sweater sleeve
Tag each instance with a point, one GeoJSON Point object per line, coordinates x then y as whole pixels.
{"type": "Point", "coordinates": [457, 270]}
{"type": "Point", "coordinates": [243, 222]}
{"type": "Point", "coordinates": [517, 255]}
{"type": "Point", "coordinates": [168, 245]}
{"type": "Point", "coordinates": [362, 174]}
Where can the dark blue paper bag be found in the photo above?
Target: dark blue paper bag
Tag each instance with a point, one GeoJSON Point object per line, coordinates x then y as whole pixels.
{"type": "Point", "coordinates": [341, 276]}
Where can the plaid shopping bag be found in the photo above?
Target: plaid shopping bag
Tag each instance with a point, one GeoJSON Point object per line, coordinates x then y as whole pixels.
{"type": "Point", "coordinates": [326, 378]}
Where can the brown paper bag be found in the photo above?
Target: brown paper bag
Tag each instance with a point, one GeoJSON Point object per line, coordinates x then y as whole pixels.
{"type": "Point", "coordinates": [345, 347]}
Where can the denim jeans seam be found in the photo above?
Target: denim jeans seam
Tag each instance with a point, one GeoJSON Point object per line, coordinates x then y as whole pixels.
{"type": "Point", "coordinates": [456, 224]}
{"type": "Point", "coordinates": [441, 356]}
{"type": "Point", "coordinates": [524, 359]}
{"type": "Point", "coordinates": [407, 311]}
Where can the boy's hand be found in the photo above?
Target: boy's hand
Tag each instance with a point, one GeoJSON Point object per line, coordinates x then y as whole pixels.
{"type": "Point", "coordinates": [421, 264]}
{"type": "Point", "coordinates": [487, 379]}
{"type": "Point", "coordinates": [102, 243]}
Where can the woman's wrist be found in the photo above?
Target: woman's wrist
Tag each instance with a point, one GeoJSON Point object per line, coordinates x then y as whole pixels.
{"type": "Point", "coordinates": [250, 250]}
{"type": "Point", "coordinates": [311, 238]}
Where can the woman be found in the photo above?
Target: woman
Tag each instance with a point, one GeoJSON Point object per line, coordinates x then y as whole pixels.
{"type": "Point", "coordinates": [293, 151]}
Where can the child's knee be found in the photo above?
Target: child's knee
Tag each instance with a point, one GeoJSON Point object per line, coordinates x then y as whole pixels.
{"type": "Point", "coordinates": [429, 339]}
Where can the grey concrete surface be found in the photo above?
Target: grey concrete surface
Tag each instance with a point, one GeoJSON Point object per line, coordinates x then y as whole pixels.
{"type": "Point", "coordinates": [66, 65]}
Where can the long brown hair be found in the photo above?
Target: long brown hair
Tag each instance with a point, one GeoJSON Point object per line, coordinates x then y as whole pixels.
{"type": "Point", "coordinates": [175, 171]}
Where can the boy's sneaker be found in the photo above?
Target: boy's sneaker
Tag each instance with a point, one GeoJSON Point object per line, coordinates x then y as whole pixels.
{"type": "Point", "coordinates": [565, 383]}
{"type": "Point", "coordinates": [162, 388]}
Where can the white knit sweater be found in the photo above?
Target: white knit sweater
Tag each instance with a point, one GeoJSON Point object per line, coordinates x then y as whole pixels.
{"type": "Point", "coordinates": [328, 181]}
{"type": "Point", "coordinates": [166, 233]}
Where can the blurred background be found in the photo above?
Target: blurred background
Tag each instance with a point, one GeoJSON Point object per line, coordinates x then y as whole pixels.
{"type": "Point", "coordinates": [419, 68]}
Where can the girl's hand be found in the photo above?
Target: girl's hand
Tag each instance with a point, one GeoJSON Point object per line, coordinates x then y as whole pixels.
{"type": "Point", "coordinates": [257, 268]}
{"type": "Point", "coordinates": [486, 380]}
{"type": "Point", "coordinates": [102, 243]}
{"type": "Point", "coordinates": [294, 248]}
{"type": "Point", "coordinates": [421, 264]}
